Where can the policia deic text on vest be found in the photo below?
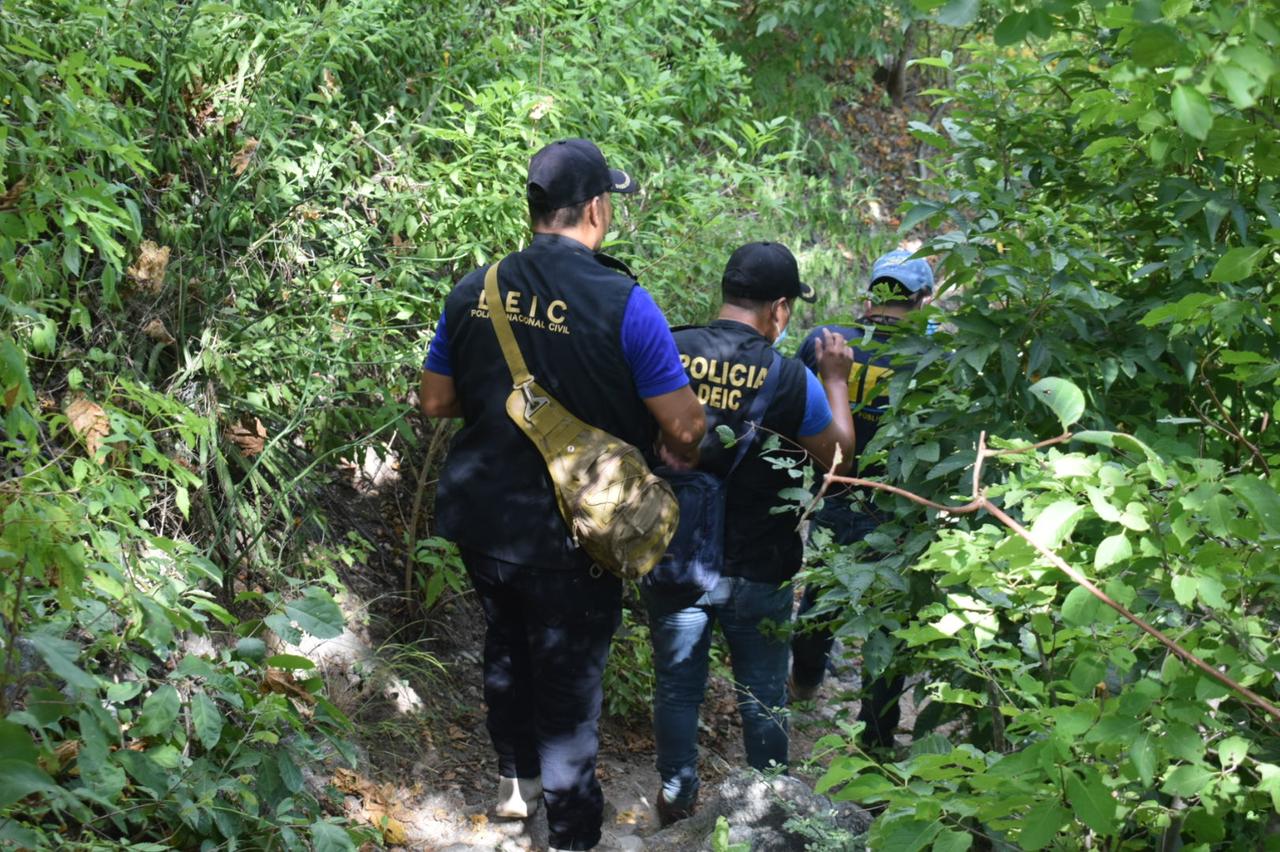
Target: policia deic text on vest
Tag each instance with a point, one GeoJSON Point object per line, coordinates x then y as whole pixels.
{"type": "Point", "coordinates": [720, 384]}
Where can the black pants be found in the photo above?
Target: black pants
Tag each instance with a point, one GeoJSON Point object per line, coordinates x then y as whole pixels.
{"type": "Point", "coordinates": [546, 643]}
{"type": "Point", "coordinates": [879, 709]}
{"type": "Point", "coordinates": [811, 646]}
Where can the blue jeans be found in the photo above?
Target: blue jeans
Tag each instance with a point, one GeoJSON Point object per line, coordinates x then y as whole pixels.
{"type": "Point", "coordinates": [681, 644]}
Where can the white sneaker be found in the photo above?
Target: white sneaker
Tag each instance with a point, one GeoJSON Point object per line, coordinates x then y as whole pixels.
{"type": "Point", "coordinates": [517, 796]}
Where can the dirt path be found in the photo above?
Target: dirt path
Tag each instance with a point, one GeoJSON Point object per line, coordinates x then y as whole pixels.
{"type": "Point", "coordinates": [426, 772]}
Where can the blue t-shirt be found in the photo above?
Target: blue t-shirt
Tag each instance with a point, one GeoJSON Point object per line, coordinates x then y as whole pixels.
{"type": "Point", "coordinates": [646, 344]}
{"type": "Point", "coordinates": [817, 411]}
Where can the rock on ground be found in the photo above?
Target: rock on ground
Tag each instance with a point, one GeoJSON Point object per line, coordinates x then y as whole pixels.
{"type": "Point", "coordinates": [757, 810]}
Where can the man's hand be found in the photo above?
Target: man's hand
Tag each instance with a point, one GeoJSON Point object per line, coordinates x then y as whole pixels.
{"type": "Point", "coordinates": [835, 360]}
{"type": "Point", "coordinates": [834, 356]}
{"type": "Point", "coordinates": [682, 425]}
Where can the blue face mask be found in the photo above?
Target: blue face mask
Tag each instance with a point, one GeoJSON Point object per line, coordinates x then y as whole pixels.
{"type": "Point", "coordinates": [782, 335]}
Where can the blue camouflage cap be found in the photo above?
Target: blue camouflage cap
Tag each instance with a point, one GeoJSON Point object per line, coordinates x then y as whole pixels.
{"type": "Point", "coordinates": [915, 274]}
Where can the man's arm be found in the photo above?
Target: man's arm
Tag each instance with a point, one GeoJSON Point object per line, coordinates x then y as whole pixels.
{"type": "Point", "coordinates": [660, 380]}
{"type": "Point", "coordinates": [835, 359]}
{"type": "Point", "coordinates": [437, 396]}
{"type": "Point", "coordinates": [680, 417]}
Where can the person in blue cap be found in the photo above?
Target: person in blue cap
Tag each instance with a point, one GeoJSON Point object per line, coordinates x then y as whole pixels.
{"type": "Point", "coordinates": [598, 343]}
{"type": "Point", "coordinates": [899, 285]}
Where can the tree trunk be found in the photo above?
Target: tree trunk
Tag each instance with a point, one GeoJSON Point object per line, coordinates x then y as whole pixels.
{"type": "Point", "coordinates": [897, 83]}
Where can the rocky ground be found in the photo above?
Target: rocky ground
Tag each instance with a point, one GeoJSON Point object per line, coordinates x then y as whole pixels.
{"type": "Point", "coordinates": [427, 771]}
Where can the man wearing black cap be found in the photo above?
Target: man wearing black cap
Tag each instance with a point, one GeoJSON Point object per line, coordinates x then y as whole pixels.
{"type": "Point", "coordinates": [728, 362]}
{"type": "Point", "coordinates": [599, 345]}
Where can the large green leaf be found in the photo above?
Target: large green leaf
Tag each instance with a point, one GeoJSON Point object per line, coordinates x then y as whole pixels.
{"type": "Point", "coordinates": [159, 712]}
{"type": "Point", "coordinates": [1012, 28]}
{"type": "Point", "coordinates": [1063, 398]}
{"type": "Point", "coordinates": [15, 743]}
{"type": "Point", "coordinates": [1092, 800]}
{"type": "Point", "coordinates": [1041, 826]}
{"type": "Point", "coordinates": [1187, 781]}
{"type": "Point", "coordinates": [19, 779]}
{"type": "Point", "coordinates": [1056, 522]}
{"type": "Point", "coordinates": [206, 720]}
{"type": "Point", "coordinates": [1262, 500]}
{"type": "Point", "coordinates": [902, 832]}
{"type": "Point", "coordinates": [60, 656]}
{"type": "Point", "coordinates": [1112, 549]}
{"type": "Point", "coordinates": [1191, 111]}
{"type": "Point", "coordinates": [1236, 264]}
{"type": "Point", "coordinates": [1158, 44]}
{"type": "Point", "coordinates": [1081, 608]}
{"type": "Point", "coordinates": [316, 613]}
{"type": "Point", "coordinates": [1142, 751]}
{"type": "Point", "coordinates": [327, 837]}
{"type": "Point", "coordinates": [952, 841]}
{"type": "Point", "coordinates": [959, 13]}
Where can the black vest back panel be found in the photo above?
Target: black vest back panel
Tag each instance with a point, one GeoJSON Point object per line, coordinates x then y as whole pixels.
{"type": "Point", "coordinates": [727, 363]}
{"type": "Point", "coordinates": [566, 309]}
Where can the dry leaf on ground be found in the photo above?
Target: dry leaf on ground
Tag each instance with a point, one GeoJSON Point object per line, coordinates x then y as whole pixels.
{"type": "Point", "coordinates": [250, 437]}
{"type": "Point", "coordinates": [155, 329]}
{"type": "Point", "coordinates": [89, 422]}
{"type": "Point", "coordinates": [393, 831]}
{"type": "Point", "coordinates": [9, 198]}
{"type": "Point", "coordinates": [148, 270]}
{"type": "Point", "coordinates": [376, 803]}
{"type": "Point", "coordinates": [244, 156]}
{"type": "Point", "coordinates": [282, 683]}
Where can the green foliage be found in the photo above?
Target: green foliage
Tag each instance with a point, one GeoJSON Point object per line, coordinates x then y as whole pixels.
{"type": "Point", "coordinates": [226, 230]}
{"type": "Point", "coordinates": [1106, 219]}
{"type": "Point", "coordinates": [720, 838]}
{"type": "Point", "coordinates": [628, 677]}
{"type": "Point", "coordinates": [445, 569]}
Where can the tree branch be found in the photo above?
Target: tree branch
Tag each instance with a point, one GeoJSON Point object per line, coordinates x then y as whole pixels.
{"type": "Point", "coordinates": [980, 502]}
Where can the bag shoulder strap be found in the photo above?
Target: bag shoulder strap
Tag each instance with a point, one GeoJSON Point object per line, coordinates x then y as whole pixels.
{"type": "Point", "coordinates": [759, 405]}
{"type": "Point", "coordinates": [520, 374]}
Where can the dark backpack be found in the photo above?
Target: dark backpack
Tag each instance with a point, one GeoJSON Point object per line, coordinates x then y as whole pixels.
{"type": "Point", "coordinates": [695, 556]}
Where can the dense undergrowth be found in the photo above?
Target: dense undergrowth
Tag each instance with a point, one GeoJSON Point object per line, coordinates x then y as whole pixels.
{"type": "Point", "coordinates": [226, 230]}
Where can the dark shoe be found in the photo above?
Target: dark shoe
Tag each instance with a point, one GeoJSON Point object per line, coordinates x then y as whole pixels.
{"type": "Point", "coordinates": [802, 692]}
{"type": "Point", "coordinates": [669, 813]}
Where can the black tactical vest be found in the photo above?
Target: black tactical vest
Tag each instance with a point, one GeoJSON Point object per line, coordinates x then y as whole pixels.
{"type": "Point", "coordinates": [727, 362]}
{"type": "Point", "coordinates": [565, 305]}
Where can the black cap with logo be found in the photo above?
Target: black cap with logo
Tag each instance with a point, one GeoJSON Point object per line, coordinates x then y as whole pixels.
{"type": "Point", "coordinates": [764, 272]}
{"type": "Point", "coordinates": [571, 171]}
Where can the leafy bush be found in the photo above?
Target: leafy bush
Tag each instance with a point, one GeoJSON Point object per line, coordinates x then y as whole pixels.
{"type": "Point", "coordinates": [1107, 219]}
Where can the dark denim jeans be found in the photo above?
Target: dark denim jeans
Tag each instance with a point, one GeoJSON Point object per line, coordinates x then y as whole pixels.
{"type": "Point", "coordinates": [546, 643]}
{"type": "Point", "coordinates": [811, 645]}
{"type": "Point", "coordinates": [681, 644]}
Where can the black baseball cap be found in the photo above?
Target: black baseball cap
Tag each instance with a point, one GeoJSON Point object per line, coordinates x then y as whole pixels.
{"type": "Point", "coordinates": [571, 171]}
{"type": "Point", "coordinates": [764, 272]}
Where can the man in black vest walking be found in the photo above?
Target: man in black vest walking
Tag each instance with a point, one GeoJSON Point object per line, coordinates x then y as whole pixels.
{"type": "Point", "coordinates": [728, 362]}
{"type": "Point", "coordinates": [598, 344]}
